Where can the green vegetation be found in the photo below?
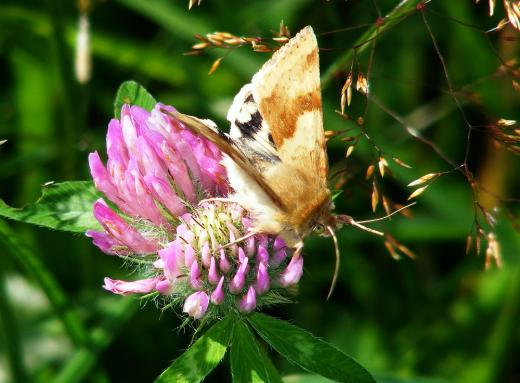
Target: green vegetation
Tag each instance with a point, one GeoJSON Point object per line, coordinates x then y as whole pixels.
{"type": "Point", "coordinates": [434, 319]}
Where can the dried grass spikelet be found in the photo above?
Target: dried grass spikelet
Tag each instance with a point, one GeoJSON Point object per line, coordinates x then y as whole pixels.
{"type": "Point", "coordinates": [405, 212]}
{"type": "Point", "coordinates": [330, 134]}
{"type": "Point", "coordinates": [392, 251]}
{"type": "Point", "coordinates": [396, 249]}
{"type": "Point", "coordinates": [469, 243]}
{"type": "Point", "coordinates": [516, 85]}
{"type": "Point", "coordinates": [214, 66]}
{"type": "Point", "coordinates": [382, 164]}
{"type": "Point", "coordinates": [512, 8]}
{"type": "Point", "coordinates": [417, 192]}
{"type": "Point", "coordinates": [346, 92]}
{"type": "Point", "coordinates": [501, 24]}
{"type": "Point", "coordinates": [260, 47]}
{"type": "Point", "coordinates": [194, 2]}
{"type": "Point", "coordinates": [401, 163]}
{"type": "Point", "coordinates": [226, 40]}
{"type": "Point", "coordinates": [362, 83]}
{"type": "Point", "coordinates": [505, 133]}
{"type": "Point", "coordinates": [374, 199]}
{"type": "Point", "coordinates": [491, 7]}
{"type": "Point", "coordinates": [283, 31]}
{"type": "Point", "coordinates": [370, 171]}
{"type": "Point", "coordinates": [493, 251]}
{"type": "Point", "coordinates": [386, 206]}
{"type": "Point", "coordinates": [423, 179]}
{"type": "Point", "coordinates": [504, 122]}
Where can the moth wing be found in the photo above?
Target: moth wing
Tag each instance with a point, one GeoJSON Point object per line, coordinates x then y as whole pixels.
{"type": "Point", "coordinates": [287, 90]}
{"type": "Point", "coordinates": [250, 132]}
{"type": "Point", "coordinates": [287, 94]}
{"type": "Point", "coordinates": [209, 130]}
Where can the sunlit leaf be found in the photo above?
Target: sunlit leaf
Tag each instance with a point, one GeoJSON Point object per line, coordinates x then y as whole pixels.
{"type": "Point", "coordinates": [63, 206]}
{"type": "Point", "coordinates": [132, 93]}
{"type": "Point", "coordinates": [247, 362]}
{"type": "Point", "coordinates": [309, 352]}
{"type": "Point", "coordinates": [202, 357]}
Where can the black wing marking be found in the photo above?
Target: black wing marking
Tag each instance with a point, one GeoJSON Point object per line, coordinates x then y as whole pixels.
{"type": "Point", "coordinates": [250, 132]}
{"type": "Point", "coordinates": [228, 146]}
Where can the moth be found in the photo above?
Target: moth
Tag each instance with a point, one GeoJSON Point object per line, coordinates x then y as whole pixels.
{"type": "Point", "coordinates": [275, 153]}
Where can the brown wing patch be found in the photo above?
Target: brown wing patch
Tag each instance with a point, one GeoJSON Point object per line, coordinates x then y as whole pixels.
{"type": "Point", "coordinates": [277, 107]}
{"type": "Point", "coordinates": [312, 58]}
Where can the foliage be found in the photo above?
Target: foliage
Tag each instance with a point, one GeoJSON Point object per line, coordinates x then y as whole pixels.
{"type": "Point", "coordinates": [437, 318]}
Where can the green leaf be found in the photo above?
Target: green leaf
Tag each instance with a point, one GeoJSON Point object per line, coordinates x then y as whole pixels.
{"type": "Point", "coordinates": [63, 206]}
{"type": "Point", "coordinates": [132, 93]}
{"type": "Point", "coordinates": [272, 372]}
{"type": "Point", "coordinates": [202, 357]}
{"type": "Point", "coordinates": [309, 352]}
{"type": "Point", "coordinates": [248, 364]}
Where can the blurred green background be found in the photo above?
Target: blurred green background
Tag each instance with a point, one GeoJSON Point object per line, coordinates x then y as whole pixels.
{"type": "Point", "coordinates": [438, 318]}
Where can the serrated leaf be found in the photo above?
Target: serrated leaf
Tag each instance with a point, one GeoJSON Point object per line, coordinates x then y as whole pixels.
{"type": "Point", "coordinates": [130, 92]}
{"type": "Point", "coordinates": [63, 206]}
{"type": "Point", "coordinates": [309, 352]}
{"type": "Point", "coordinates": [202, 356]}
{"type": "Point", "coordinates": [247, 362]}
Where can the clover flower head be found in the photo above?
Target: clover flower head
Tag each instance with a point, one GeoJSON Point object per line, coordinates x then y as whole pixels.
{"type": "Point", "coordinates": [156, 178]}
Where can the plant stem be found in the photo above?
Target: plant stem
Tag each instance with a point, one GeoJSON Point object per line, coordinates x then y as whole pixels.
{"type": "Point", "coordinates": [72, 122]}
{"type": "Point", "coordinates": [395, 16]}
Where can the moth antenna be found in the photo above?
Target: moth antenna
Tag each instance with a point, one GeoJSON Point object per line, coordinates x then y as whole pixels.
{"type": "Point", "coordinates": [388, 215]}
{"type": "Point", "coordinates": [336, 267]}
{"type": "Point", "coordinates": [243, 238]}
{"type": "Point", "coordinates": [347, 219]}
{"type": "Point", "coordinates": [357, 224]}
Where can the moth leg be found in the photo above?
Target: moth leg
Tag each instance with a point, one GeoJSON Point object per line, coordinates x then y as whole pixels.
{"type": "Point", "coordinates": [243, 238]}
{"type": "Point", "coordinates": [298, 248]}
{"type": "Point", "coordinates": [217, 199]}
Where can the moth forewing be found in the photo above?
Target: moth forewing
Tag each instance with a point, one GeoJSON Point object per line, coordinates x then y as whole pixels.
{"type": "Point", "coordinates": [275, 154]}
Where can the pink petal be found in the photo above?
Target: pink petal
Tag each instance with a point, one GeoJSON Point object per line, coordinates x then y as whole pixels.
{"type": "Point", "coordinates": [217, 296]}
{"type": "Point", "coordinates": [262, 279]}
{"type": "Point", "coordinates": [196, 304]}
{"type": "Point", "coordinates": [292, 274]}
{"type": "Point", "coordinates": [248, 301]}
{"type": "Point", "coordinates": [106, 243]}
{"type": "Point", "coordinates": [120, 230]}
{"type": "Point", "coordinates": [213, 276]}
{"type": "Point", "coordinates": [125, 288]}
